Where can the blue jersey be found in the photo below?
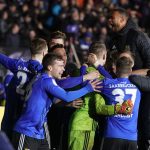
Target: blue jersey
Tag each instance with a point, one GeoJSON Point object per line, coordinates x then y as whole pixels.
{"type": "Point", "coordinates": [44, 90]}
{"type": "Point", "coordinates": [23, 72]}
{"type": "Point", "coordinates": [5, 144]}
{"type": "Point", "coordinates": [116, 91]}
{"type": "Point", "coordinates": [7, 80]}
{"type": "Point", "coordinates": [2, 92]}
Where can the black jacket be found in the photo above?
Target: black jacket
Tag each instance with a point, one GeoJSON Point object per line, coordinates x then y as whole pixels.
{"type": "Point", "coordinates": [143, 83]}
{"type": "Point", "coordinates": [138, 42]}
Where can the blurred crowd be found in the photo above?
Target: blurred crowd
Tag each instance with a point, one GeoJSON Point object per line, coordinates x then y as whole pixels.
{"type": "Point", "coordinates": [83, 21]}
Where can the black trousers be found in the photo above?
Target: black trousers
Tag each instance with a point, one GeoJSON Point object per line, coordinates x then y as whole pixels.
{"type": "Point", "coordinates": [118, 144]}
{"type": "Point", "coordinates": [143, 144]}
{"type": "Point", "coordinates": [23, 142]}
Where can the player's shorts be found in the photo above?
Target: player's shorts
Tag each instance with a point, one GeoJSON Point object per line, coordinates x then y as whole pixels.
{"type": "Point", "coordinates": [118, 144]}
{"type": "Point", "coordinates": [143, 143]}
{"type": "Point", "coordinates": [23, 142]}
{"type": "Point", "coordinates": [81, 140]}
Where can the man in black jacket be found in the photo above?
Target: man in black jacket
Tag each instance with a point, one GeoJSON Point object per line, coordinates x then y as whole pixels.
{"type": "Point", "coordinates": [125, 33]}
{"type": "Point", "coordinates": [143, 83]}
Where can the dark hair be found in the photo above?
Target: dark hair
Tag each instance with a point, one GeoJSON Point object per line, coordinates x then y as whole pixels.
{"type": "Point", "coordinates": [123, 65]}
{"type": "Point", "coordinates": [114, 54]}
{"type": "Point", "coordinates": [55, 47]}
{"type": "Point", "coordinates": [127, 50]}
{"type": "Point", "coordinates": [97, 48]}
{"type": "Point", "coordinates": [49, 60]}
{"type": "Point", "coordinates": [57, 35]}
{"type": "Point", "coordinates": [121, 11]}
{"type": "Point", "coordinates": [38, 45]}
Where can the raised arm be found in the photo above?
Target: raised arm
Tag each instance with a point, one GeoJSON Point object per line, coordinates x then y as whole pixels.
{"type": "Point", "coordinates": [103, 72]}
{"type": "Point", "coordinates": [53, 89]}
{"type": "Point", "coordinates": [103, 109]}
{"type": "Point", "coordinates": [142, 82]}
{"type": "Point", "coordinates": [9, 63]}
{"type": "Point", "coordinates": [71, 82]}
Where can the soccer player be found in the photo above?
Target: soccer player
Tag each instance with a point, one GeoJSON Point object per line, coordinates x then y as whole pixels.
{"type": "Point", "coordinates": [23, 72]}
{"type": "Point", "coordinates": [58, 117]}
{"type": "Point", "coordinates": [29, 129]}
{"type": "Point", "coordinates": [121, 130]}
{"type": "Point", "coordinates": [56, 37]}
{"type": "Point", "coordinates": [83, 124]}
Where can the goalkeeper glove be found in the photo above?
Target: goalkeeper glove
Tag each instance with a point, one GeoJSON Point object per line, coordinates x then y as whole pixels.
{"type": "Point", "coordinates": [125, 108]}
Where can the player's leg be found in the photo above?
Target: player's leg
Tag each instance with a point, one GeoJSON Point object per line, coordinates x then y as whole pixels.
{"type": "Point", "coordinates": [118, 144]}
{"type": "Point", "coordinates": [111, 144]}
{"type": "Point", "coordinates": [144, 144]}
{"type": "Point", "coordinates": [22, 142]}
{"type": "Point", "coordinates": [89, 140]}
{"type": "Point", "coordinates": [131, 145]}
{"type": "Point", "coordinates": [47, 134]}
{"type": "Point", "coordinates": [43, 145]}
{"type": "Point", "coordinates": [81, 140]}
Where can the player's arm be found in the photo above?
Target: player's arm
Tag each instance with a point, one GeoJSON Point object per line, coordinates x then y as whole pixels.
{"type": "Point", "coordinates": [142, 82]}
{"type": "Point", "coordinates": [71, 82]}
{"type": "Point", "coordinates": [143, 44]}
{"type": "Point", "coordinates": [74, 104]}
{"type": "Point", "coordinates": [65, 83]}
{"type": "Point", "coordinates": [142, 72]}
{"type": "Point", "coordinates": [52, 88]}
{"type": "Point", "coordinates": [103, 72]}
{"type": "Point", "coordinates": [83, 71]}
{"type": "Point", "coordinates": [103, 109]}
{"type": "Point", "coordinates": [9, 63]}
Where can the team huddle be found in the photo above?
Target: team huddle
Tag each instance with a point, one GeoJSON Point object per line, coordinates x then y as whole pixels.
{"type": "Point", "coordinates": [37, 84]}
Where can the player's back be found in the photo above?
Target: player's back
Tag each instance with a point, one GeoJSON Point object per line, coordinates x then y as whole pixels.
{"type": "Point", "coordinates": [16, 90]}
{"type": "Point", "coordinates": [117, 91]}
{"type": "Point", "coordinates": [37, 106]}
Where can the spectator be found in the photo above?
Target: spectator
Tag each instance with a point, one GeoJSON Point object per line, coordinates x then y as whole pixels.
{"type": "Point", "coordinates": [16, 88]}
{"type": "Point", "coordinates": [125, 33]}
{"type": "Point", "coordinates": [13, 38]}
{"type": "Point", "coordinates": [4, 26]}
{"type": "Point", "coordinates": [143, 83]}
